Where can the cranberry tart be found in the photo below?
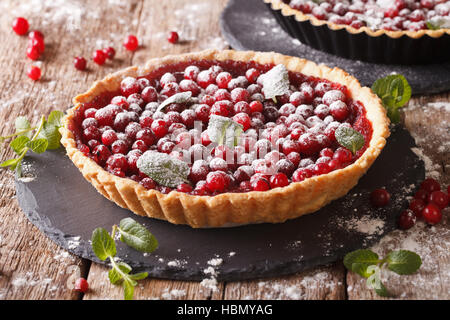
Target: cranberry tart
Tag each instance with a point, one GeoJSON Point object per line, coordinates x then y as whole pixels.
{"type": "Point", "coordinates": [380, 31]}
{"type": "Point", "coordinates": [220, 138]}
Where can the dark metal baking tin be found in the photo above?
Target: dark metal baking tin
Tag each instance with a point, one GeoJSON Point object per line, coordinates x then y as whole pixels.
{"type": "Point", "coordinates": [361, 46]}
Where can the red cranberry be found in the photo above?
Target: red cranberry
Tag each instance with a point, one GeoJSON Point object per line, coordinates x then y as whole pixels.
{"type": "Point", "coordinates": [260, 184]}
{"type": "Point", "coordinates": [191, 72]}
{"type": "Point", "coordinates": [131, 43]}
{"type": "Point", "coordinates": [36, 34]}
{"type": "Point", "coordinates": [110, 52]}
{"type": "Point", "coordinates": [430, 185]}
{"type": "Point", "coordinates": [220, 108]}
{"type": "Point", "coordinates": [432, 213]}
{"type": "Point", "coordinates": [243, 119]}
{"type": "Point", "coordinates": [33, 52]}
{"type": "Point", "coordinates": [109, 137]}
{"type": "Point", "coordinates": [119, 146]}
{"type": "Point", "coordinates": [416, 206]}
{"type": "Point", "coordinates": [79, 63]}
{"type": "Point", "coordinates": [34, 73]}
{"type": "Point", "coordinates": [184, 187]}
{"type": "Point", "coordinates": [20, 26]}
{"type": "Point", "coordinates": [202, 112]}
{"type": "Point", "coordinates": [216, 181]}
{"type": "Point", "coordinates": [223, 79]}
{"type": "Point", "coordinates": [38, 43]}
{"type": "Point", "coordinates": [421, 194]}
{"type": "Point", "coordinates": [256, 106]}
{"type": "Point", "coordinates": [439, 198]}
{"type": "Point", "coordinates": [81, 285]}
{"type": "Point", "coordinates": [278, 180]}
{"type": "Point", "coordinates": [173, 37]}
{"type": "Point", "coordinates": [252, 74]}
{"type": "Point", "coordinates": [343, 155]}
{"type": "Point", "coordinates": [406, 220]}
{"type": "Point", "coordinates": [99, 57]}
{"type": "Point", "coordinates": [117, 161]}
{"type": "Point", "coordinates": [148, 183]}
{"type": "Point", "coordinates": [159, 128]}
{"type": "Point", "coordinates": [102, 152]}
{"type": "Point", "coordinates": [147, 136]}
{"type": "Point", "coordinates": [379, 198]}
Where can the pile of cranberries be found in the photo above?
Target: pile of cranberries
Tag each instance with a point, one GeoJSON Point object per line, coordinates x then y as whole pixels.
{"type": "Point", "coordinates": [427, 204]}
{"type": "Point", "coordinates": [393, 15]}
{"type": "Point", "coordinates": [285, 141]}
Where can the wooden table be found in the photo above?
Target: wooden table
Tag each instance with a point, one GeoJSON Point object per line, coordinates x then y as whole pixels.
{"type": "Point", "coordinates": [33, 267]}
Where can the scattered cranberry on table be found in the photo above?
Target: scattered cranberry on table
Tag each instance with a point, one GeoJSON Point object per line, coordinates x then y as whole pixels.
{"type": "Point", "coordinates": [173, 37]}
{"type": "Point", "coordinates": [20, 26]}
{"type": "Point", "coordinates": [407, 220]}
{"type": "Point", "coordinates": [99, 57]}
{"type": "Point", "coordinates": [34, 73]}
{"type": "Point", "coordinates": [81, 285]}
{"type": "Point", "coordinates": [432, 214]}
{"type": "Point", "coordinates": [110, 52]}
{"type": "Point", "coordinates": [79, 63]}
{"type": "Point", "coordinates": [131, 43]}
{"type": "Point", "coordinates": [379, 198]}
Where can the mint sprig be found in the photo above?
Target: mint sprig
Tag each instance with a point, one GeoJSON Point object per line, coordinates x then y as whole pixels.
{"type": "Point", "coordinates": [394, 91]}
{"type": "Point", "coordinates": [349, 138]}
{"type": "Point", "coordinates": [275, 82]}
{"type": "Point", "coordinates": [38, 139]}
{"type": "Point", "coordinates": [134, 235]}
{"type": "Point", "coordinates": [224, 131]}
{"type": "Point", "coordinates": [367, 264]}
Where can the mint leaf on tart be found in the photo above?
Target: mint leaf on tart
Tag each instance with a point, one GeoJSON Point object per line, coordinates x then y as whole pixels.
{"type": "Point", "coordinates": [104, 247]}
{"type": "Point", "coordinates": [137, 236]}
{"type": "Point", "coordinates": [403, 262]}
{"type": "Point", "coordinates": [163, 168]}
{"type": "Point", "coordinates": [224, 131]}
{"type": "Point", "coordinates": [349, 138]}
{"type": "Point", "coordinates": [182, 97]}
{"type": "Point", "coordinates": [394, 91]}
{"type": "Point", "coordinates": [367, 264]}
{"type": "Point", "coordinates": [275, 82]}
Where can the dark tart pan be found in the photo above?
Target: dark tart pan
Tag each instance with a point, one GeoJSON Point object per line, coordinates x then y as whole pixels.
{"type": "Point", "coordinates": [379, 48]}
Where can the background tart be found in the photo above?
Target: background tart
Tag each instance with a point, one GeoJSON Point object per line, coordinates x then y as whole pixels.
{"type": "Point", "coordinates": [311, 171]}
{"type": "Point", "coordinates": [380, 43]}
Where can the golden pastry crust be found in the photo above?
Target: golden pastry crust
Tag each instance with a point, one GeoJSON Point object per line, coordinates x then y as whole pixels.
{"type": "Point", "coordinates": [274, 206]}
{"type": "Point", "coordinates": [287, 11]}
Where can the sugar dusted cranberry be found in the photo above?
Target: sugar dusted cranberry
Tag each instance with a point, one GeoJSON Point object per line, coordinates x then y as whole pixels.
{"type": "Point", "coordinates": [148, 183]}
{"type": "Point", "coordinates": [102, 152]}
{"type": "Point", "coordinates": [184, 187]}
{"type": "Point", "coordinates": [110, 52]}
{"type": "Point", "coordinates": [252, 74]}
{"type": "Point", "coordinates": [245, 186]}
{"type": "Point", "coordinates": [118, 161]}
{"type": "Point", "coordinates": [34, 73]}
{"type": "Point", "coordinates": [205, 78]}
{"type": "Point", "coordinates": [416, 206]}
{"type": "Point", "coordinates": [339, 110]}
{"type": "Point", "coordinates": [81, 285]}
{"type": "Point", "coordinates": [278, 180]}
{"type": "Point", "coordinates": [79, 63]}
{"type": "Point", "coordinates": [223, 79]}
{"type": "Point", "coordinates": [439, 198]}
{"type": "Point", "coordinates": [290, 146]}
{"type": "Point", "coordinates": [139, 145]}
{"type": "Point", "coordinates": [379, 198]}
{"type": "Point", "coordinates": [109, 137]}
{"type": "Point", "coordinates": [119, 146]}
{"type": "Point", "coordinates": [191, 72]}
{"type": "Point", "coordinates": [216, 181]}
{"type": "Point", "coordinates": [159, 128]}
{"type": "Point", "coordinates": [20, 26]}
{"type": "Point", "coordinates": [243, 119]}
{"type": "Point", "coordinates": [147, 136]}
{"type": "Point", "coordinates": [343, 155]}
{"type": "Point", "coordinates": [99, 57]}
{"type": "Point", "coordinates": [432, 213]}
{"type": "Point", "coordinates": [430, 185]}
{"type": "Point", "coordinates": [260, 184]}
{"type": "Point", "coordinates": [172, 37]}
{"type": "Point", "coordinates": [220, 108]}
{"type": "Point", "coordinates": [407, 220]}
{"type": "Point", "coordinates": [131, 43]}
{"type": "Point", "coordinates": [202, 112]}
{"type": "Point", "coordinates": [417, 15]}
{"type": "Point", "coordinates": [222, 94]}
{"type": "Point", "coordinates": [321, 168]}
{"type": "Point", "coordinates": [239, 94]}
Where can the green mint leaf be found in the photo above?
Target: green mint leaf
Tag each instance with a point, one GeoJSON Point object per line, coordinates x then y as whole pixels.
{"type": "Point", "coordinates": [403, 262]}
{"type": "Point", "coordinates": [275, 82]}
{"type": "Point", "coordinates": [432, 26]}
{"type": "Point", "coordinates": [51, 133]}
{"type": "Point", "coordinates": [164, 169]}
{"type": "Point", "coordinates": [394, 91]}
{"type": "Point", "coordinates": [19, 144]}
{"type": "Point", "coordinates": [38, 145]}
{"type": "Point", "coordinates": [224, 131]}
{"type": "Point", "coordinates": [137, 236]}
{"type": "Point", "coordinates": [12, 163]}
{"type": "Point", "coordinates": [361, 259]}
{"type": "Point", "coordinates": [182, 97]}
{"type": "Point", "coordinates": [382, 291]}
{"type": "Point", "coordinates": [139, 276]}
{"type": "Point", "coordinates": [55, 118]}
{"type": "Point", "coordinates": [115, 276]}
{"type": "Point", "coordinates": [349, 138]}
{"type": "Point", "coordinates": [128, 289]}
{"type": "Point", "coordinates": [103, 244]}
{"type": "Point", "coordinates": [22, 124]}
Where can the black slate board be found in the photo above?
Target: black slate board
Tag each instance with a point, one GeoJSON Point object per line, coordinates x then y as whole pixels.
{"type": "Point", "coordinates": [63, 206]}
{"type": "Point", "coordinates": [249, 25]}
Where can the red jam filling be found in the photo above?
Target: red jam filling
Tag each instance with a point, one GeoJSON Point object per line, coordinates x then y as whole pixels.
{"type": "Point", "coordinates": [285, 141]}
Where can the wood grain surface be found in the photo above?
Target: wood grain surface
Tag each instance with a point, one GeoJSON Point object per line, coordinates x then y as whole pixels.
{"type": "Point", "coordinates": [33, 267]}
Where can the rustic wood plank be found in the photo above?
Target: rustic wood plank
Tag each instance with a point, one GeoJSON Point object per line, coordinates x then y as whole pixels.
{"type": "Point", "coordinates": [32, 266]}
{"type": "Point", "coordinates": [429, 123]}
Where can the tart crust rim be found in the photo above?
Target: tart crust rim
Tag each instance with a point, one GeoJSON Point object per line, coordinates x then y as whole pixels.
{"type": "Point", "coordinates": [287, 11]}
{"type": "Point", "coordinates": [297, 198]}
